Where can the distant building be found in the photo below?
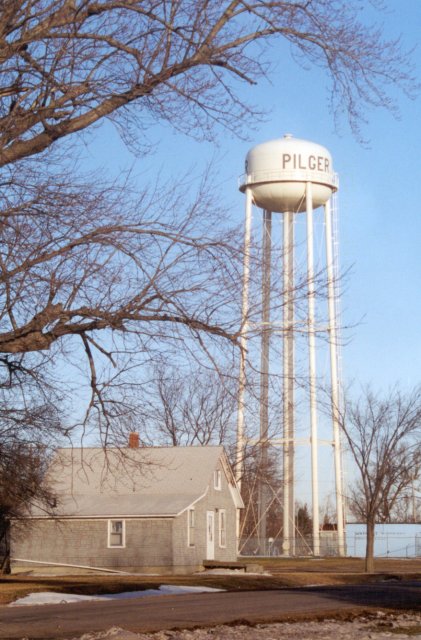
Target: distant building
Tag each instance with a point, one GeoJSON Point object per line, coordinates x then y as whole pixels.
{"type": "Point", "coordinates": [150, 510]}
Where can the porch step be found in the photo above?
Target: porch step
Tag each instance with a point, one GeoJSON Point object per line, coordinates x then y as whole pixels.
{"type": "Point", "coordinates": [244, 567]}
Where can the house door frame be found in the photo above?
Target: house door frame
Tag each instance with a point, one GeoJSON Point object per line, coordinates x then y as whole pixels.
{"type": "Point", "coordinates": [210, 535]}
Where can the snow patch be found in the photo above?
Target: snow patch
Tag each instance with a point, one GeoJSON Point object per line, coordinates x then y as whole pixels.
{"type": "Point", "coordinates": [51, 597]}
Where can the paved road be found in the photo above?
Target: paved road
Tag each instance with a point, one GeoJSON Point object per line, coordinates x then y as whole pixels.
{"type": "Point", "coordinates": [183, 611]}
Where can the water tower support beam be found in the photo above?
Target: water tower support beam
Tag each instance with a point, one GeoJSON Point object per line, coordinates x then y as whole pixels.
{"type": "Point", "coordinates": [264, 377]}
{"type": "Point", "coordinates": [288, 385]}
{"type": "Point", "coordinates": [312, 371]}
{"type": "Point", "coordinates": [334, 378]}
{"type": "Point", "coordinates": [239, 462]}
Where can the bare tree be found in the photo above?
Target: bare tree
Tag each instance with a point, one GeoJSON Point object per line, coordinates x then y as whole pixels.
{"type": "Point", "coordinates": [66, 64]}
{"type": "Point", "coordinates": [20, 489]}
{"type": "Point", "coordinates": [126, 274]}
{"type": "Point", "coordinates": [407, 506]}
{"type": "Point", "coordinates": [190, 407]}
{"type": "Point", "coordinates": [382, 436]}
{"type": "Point", "coordinates": [27, 430]}
{"type": "Point", "coordinates": [123, 274]}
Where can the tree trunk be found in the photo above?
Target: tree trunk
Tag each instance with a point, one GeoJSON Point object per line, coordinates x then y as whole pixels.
{"type": "Point", "coordinates": [4, 550]}
{"type": "Point", "coordinates": [369, 551]}
{"type": "Point", "coordinates": [5, 563]}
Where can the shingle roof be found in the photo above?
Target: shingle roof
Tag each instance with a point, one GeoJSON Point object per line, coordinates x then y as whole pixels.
{"type": "Point", "coordinates": [161, 481]}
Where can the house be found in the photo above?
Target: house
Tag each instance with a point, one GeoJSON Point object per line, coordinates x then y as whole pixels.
{"type": "Point", "coordinates": [150, 510]}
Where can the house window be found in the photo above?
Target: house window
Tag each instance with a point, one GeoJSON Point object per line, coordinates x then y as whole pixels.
{"type": "Point", "coordinates": [217, 481]}
{"type": "Point", "coordinates": [222, 528]}
{"type": "Point", "coordinates": [116, 533]}
{"type": "Point", "coordinates": [190, 528]}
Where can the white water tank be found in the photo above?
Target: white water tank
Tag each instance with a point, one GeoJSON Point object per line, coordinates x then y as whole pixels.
{"type": "Point", "coordinates": [277, 172]}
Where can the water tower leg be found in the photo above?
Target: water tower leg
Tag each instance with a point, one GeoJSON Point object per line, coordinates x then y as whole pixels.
{"type": "Point", "coordinates": [334, 379]}
{"type": "Point", "coordinates": [312, 371]}
{"type": "Point", "coordinates": [264, 379]}
{"type": "Point", "coordinates": [288, 546]}
{"type": "Point", "coordinates": [243, 341]}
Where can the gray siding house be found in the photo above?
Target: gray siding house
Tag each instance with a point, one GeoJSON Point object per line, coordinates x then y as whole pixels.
{"type": "Point", "coordinates": [155, 510]}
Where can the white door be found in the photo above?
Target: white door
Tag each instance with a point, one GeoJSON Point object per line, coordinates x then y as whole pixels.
{"type": "Point", "coordinates": [210, 535]}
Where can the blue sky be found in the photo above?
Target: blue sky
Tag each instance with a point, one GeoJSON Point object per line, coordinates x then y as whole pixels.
{"type": "Point", "coordinates": [379, 198]}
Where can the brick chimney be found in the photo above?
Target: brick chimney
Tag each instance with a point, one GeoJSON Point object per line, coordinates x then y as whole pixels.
{"type": "Point", "coordinates": [133, 440]}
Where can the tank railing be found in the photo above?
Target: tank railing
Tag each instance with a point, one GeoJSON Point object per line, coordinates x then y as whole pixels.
{"type": "Point", "coordinates": [330, 179]}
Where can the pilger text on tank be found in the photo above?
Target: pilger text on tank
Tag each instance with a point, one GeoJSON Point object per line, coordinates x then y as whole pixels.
{"type": "Point", "coordinates": [299, 161]}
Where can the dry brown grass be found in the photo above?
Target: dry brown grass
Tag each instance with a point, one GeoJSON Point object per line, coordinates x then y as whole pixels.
{"type": "Point", "coordinates": [339, 565]}
{"type": "Point", "coordinates": [284, 573]}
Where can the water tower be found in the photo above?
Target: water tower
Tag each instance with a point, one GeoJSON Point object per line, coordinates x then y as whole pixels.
{"type": "Point", "coordinates": [289, 176]}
